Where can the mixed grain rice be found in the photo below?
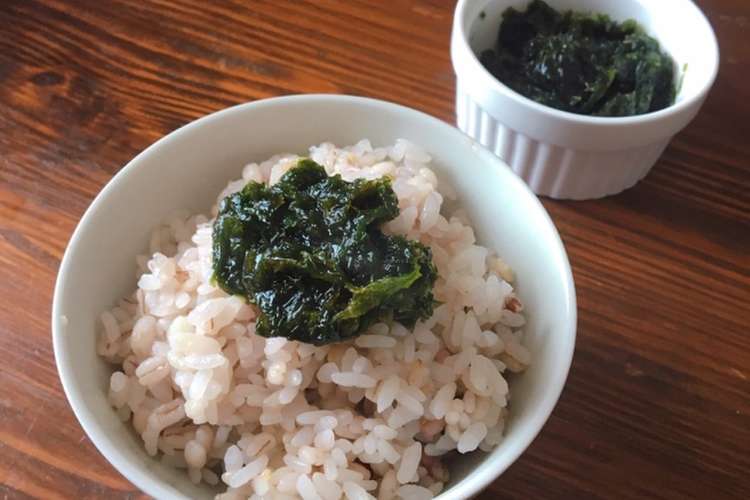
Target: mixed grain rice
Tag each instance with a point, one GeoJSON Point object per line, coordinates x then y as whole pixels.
{"type": "Point", "coordinates": [274, 419]}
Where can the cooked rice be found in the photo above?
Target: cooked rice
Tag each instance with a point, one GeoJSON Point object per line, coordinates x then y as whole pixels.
{"type": "Point", "coordinates": [270, 418]}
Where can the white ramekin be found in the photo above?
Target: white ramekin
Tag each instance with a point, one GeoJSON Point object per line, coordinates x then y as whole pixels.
{"type": "Point", "coordinates": [566, 155]}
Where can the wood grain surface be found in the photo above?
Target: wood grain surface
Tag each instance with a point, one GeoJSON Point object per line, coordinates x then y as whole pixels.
{"type": "Point", "coordinates": [658, 400]}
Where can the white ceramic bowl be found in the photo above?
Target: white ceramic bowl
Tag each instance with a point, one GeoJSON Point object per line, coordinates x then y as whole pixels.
{"type": "Point", "coordinates": [187, 168]}
{"type": "Point", "coordinates": [566, 155]}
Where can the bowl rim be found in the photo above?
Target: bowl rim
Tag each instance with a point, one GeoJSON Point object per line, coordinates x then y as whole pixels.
{"type": "Point", "coordinates": [459, 34]}
{"type": "Point", "coordinates": [469, 486]}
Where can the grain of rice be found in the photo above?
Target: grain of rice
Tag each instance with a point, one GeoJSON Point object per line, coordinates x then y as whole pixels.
{"type": "Point", "coordinates": [294, 378]}
{"type": "Point", "coordinates": [195, 454]}
{"type": "Point", "coordinates": [425, 336]}
{"type": "Point", "coordinates": [414, 492]}
{"type": "Point", "coordinates": [409, 463]}
{"type": "Point", "coordinates": [354, 491]}
{"type": "Point", "coordinates": [400, 416]}
{"type": "Point", "coordinates": [375, 341]}
{"type": "Point", "coordinates": [398, 330]}
{"type": "Point", "coordinates": [452, 417]}
{"type": "Point", "coordinates": [306, 488]}
{"type": "Point", "coordinates": [370, 444]}
{"type": "Point", "coordinates": [511, 319]}
{"type": "Point", "coordinates": [353, 379]}
{"type": "Point", "coordinates": [144, 332]}
{"type": "Point", "coordinates": [325, 372]}
{"type": "Point", "coordinates": [118, 382]}
{"type": "Point", "coordinates": [324, 440]}
{"type": "Point", "coordinates": [471, 437]}
{"type": "Point", "coordinates": [328, 489]}
{"type": "Point", "coordinates": [326, 422]}
{"type": "Point", "coordinates": [297, 464]}
{"type": "Point", "coordinates": [410, 403]}
{"type": "Point", "coordinates": [384, 432]}
{"type": "Point", "coordinates": [274, 345]}
{"type": "Point", "coordinates": [248, 472]}
{"type": "Point", "coordinates": [276, 372]}
{"type": "Point", "coordinates": [233, 459]}
{"type": "Point", "coordinates": [303, 437]}
{"type": "Point", "coordinates": [310, 417]}
{"type": "Point", "coordinates": [360, 365]}
{"type": "Point", "coordinates": [350, 475]}
{"type": "Point", "coordinates": [387, 392]}
{"type": "Point", "coordinates": [199, 385]}
{"type": "Point", "coordinates": [259, 444]}
{"type": "Point", "coordinates": [330, 470]}
{"type": "Point", "coordinates": [388, 452]}
{"type": "Point", "coordinates": [287, 482]}
{"type": "Point", "coordinates": [440, 403]}
{"type": "Point", "coordinates": [348, 359]}
{"type": "Point", "coordinates": [111, 328]}
{"type": "Point", "coordinates": [415, 393]}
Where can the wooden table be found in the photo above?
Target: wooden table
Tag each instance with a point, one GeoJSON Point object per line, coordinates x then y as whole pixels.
{"type": "Point", "coordinates": [658, 400]}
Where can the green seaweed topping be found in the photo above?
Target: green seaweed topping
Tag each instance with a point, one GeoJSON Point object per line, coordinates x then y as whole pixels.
{"type": "Point", "coordinates": [581, 62]}
{"type": "Point", "coordinates": [310, 254]}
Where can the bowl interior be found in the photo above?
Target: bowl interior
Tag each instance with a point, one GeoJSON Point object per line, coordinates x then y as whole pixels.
{"type": "Point", "coordinates": [678, 25]}
{"type": "Point", "coordinates": [187, 169]}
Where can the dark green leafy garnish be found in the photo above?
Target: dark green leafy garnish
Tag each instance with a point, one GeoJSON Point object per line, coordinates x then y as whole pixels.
{"type": "Point", "coordinates": [581, 62]}
{"type": "Point", "coordinates": [310, 254]}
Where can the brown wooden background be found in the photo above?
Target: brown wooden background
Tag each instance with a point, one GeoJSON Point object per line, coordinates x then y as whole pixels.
{"type": "Point", "coordinates": [658, 400]}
